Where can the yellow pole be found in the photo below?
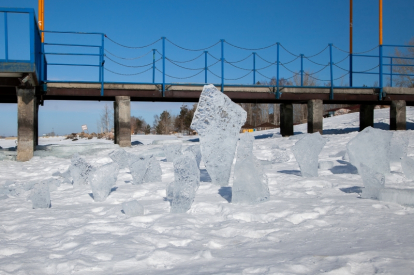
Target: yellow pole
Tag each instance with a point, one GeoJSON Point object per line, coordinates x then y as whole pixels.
{"type": "Point", "coordinates": [350, 26]}
{"type": "Point", "coordinates": [41, 16]}
{"type": "Point", "coordinates": [380, 22]}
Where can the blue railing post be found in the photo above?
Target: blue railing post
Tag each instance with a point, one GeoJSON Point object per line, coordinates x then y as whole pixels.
{"type": "Point", "coordinates": [205, 66]}
{"type": "Point", "coordinates": [254, 68]}
{"type": "Point", "coordinates": [331, 95]}
{"type": "Point", "coordinates": [102, 63]}
{"type": "Point", "coordinates": [42, 61]}
{"type": "Point", "coordinates": [32, 37]}
{"type": "Point", "coordinates": [163, 66]}
{"type": "Point", "coordinates": [277, 72]}
{"type": "Point", "coordinates": [391, 71]}
{"type": "Point", "coordinates": [222, 65]}
{"type": "Point", "coordinates": [350, 70]}
{"type": "Point", "coordinates": [380, 72]}
{"type": "Point", "coordinates": [301, 70]}
{"type": "Point", "coordinates": [6, 36]}
{"type": "Point", "coordinates": [153, 65]}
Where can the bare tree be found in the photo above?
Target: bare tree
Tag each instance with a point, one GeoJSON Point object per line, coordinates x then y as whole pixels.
{"type": "Point", "coordinates": [404, 80]}
{"type": "Point", "coordinates": [106, 120]}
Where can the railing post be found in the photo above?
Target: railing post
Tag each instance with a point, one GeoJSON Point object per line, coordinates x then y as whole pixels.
{"type": "Point", "coordinates": [42, 61]}
{"type": "Point", "coordinates": [32, 38]}
{"type": "Point", "coordinates": [391, 71]}
{"type": "Point", "coordinates": [205, 66]}
{"type": "Point", "coordinates": [222, 65]}
{"type": "Point", "coordinates": [331, 95]}
{"type": "Point", "coordinates": [380, 72]}
{"type": "Point", "coordinates": [254, 68]}
{"type": "Point", "coordinates": [277, 72]}
{"type": "Point", "coordinates": [163, 66]}
{"type": "Point", "coordinates": [350, 70]}
{"type": "Point", "coordinates": [102, 64]}
{"type": "Point", "coordinates": [301, 70]}
{"type": "Point", "coordinates": [6, 35]}
{"type": "Point", "coordinates": [153, 65]}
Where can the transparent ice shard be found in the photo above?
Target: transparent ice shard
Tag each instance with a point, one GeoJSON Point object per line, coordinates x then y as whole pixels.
{"type": "Point", "coordinates": [195, 150]}
{"type": "Point", "coordinates": [172, 151]}
{"type": "Point", "coordinates": [120, 156]}
{"type": "Point", "coordinates": [154, 172]}
{"type": "Point", "coordinates": [138, 166]}
{"type": "Point", "coordinates": [79, 171]}
{"type": "Point", "coordinates": [102, 179]}
{"type": "Point", "coordinates": [133, 208]}
{"type": "Point", "coordinates": [169, 190]}
{"type": "Point", "coordinates": [218, 121]}
{"type": "Point", "coordinates": [186, 183]}
{"type": "Point", "coordinates": [398, 146]}
{"type": "Point", "coordinates": [370, 147]}
{"type": "Point", "coordinates": [250, 182]}
{"type": "Point", "coordinates": [306, 151]}
{"type": "Point", "coordinates": [40, 196]}
{"type": "Point", "coordinates": [407, 165]}
{"type": "Point", "coordinates": [373, 182]}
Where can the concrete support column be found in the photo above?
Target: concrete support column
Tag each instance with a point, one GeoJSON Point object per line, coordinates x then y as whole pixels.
{"type": "Point", "coordinates": [366, 116]}
{"type": "Point", "coordinates": [398, 115]}
{"type": "Point", "coordinates": [315, 116]}
{"type": "Point", "coordinates": [286, 119]}
{"type": "Point", "coordinates": [26, 122]}
{"type": "Point", "coordinates": [122, 121]}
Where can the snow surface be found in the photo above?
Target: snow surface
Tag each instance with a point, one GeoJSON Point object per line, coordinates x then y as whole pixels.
{"type": "Point", "coordinates": [308, 226]}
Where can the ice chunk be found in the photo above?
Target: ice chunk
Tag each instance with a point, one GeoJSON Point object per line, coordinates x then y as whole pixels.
{"type": "Point", "coordinates": [400, 196]}
{"type": "Point", "coordinates": [102, 179]}
{"type": "Point", "coordinates": [195, 150]}
{"type": "Point", "coordinates": [79, 171]}
{"type": "Point", "coordinates": [373, 182]}
{"type": "Point", "coordinates": [40, 196]}
{"type": "Point", "coordinates": [407, 164]}
{"type": "Point", "coordinates": [370, 147]}
{"type": "Point", "coordinates": [169, 190]}
{"type": "Point", "coordinates": [120, 156]}
{"type": "Point", "coordinates": [279, 156]}
{"type": "Point", "coordinates": [172, 151]}
{"type": "Point", "coordinates": [132, 208]}
{"type": "Point", "coordinates": [398, 146]}
{"type": "Point", "coordinates": [186, 183]}
{"type": "Point", "coordinates": [154, 172]}
{"type": "Point", "coordinates": [250, 182]}
{"type": "Point", "coordinates": [218, 121]}
{"type": "Point", "coordinates": [306, 151]}
{"type": "Point", "coordinates": [326, 165]}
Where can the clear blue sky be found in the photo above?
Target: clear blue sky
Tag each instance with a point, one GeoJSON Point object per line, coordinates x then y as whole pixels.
{"type": "Point", "coordinates": [301, 26]}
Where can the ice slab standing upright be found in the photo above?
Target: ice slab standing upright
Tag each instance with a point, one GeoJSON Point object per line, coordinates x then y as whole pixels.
{"type": "Point", "coordinates": [218, 121]}
{"type": "Point", "coordinates": [195, 150]}
{"type": "Point", "coordinates": [102, 179]}
{"type": "Point", "coordinates": [154, 172]}
{"type": "Point", "coordinates": [306, 151]}
{"type": "Point", "coordinates": [370, 147]}
{"type": "Point", "coordinates": [40, 195]}
{"type": "Point", "coordinates": [172, 151]}
{"type": "Point", "coordinates": [79, 171]}
{"type": "Point", "coordinates": [120, 156]}
{"type": "Point", "coordinates": [373, 182]}
{"type": "Point", "coordinates": [407, 165]}
{"type": "Point", "coordinates": [398, 146]}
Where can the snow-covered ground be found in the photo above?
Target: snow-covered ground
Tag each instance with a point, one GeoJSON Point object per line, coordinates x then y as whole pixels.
{"type": "Point", "coordinates": [309, 225]}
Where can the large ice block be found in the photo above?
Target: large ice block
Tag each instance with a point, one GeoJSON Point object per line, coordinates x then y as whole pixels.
{"type": "Point", "coordinates": [120, 156]}
{"type": "Point", "coordinates": [40, 196]}
{"type": "Point", "coordinates": [172, 151]}
{"type": "Point", "coordinates": [373, 182]}
{"type": "Point", "coordinates": [407, 165]}
{"type": "Point", "coordinates": [186, 183]}
{"type": "Point", "coordinates": [250, 182]}
{"type": "Point", "coordinates": [138, 166]}
{"type": "Point", "coordinates": [154, 172]}
{"type": "Point", "coordinates": [400, 196]}
{"type": "Point", "coordinates": [370, 147]}
{"type": "Point", "coordinates": [306, 151]}
{"type": "Point", "coordinates": [195, 150]}
{"type": "Point", "coordinates": [79, 171]}
{"type": "Point", "coordinates": [398, 146]}
{"type": "Point", "coordinates": [132, 208]}
{"type": "Point", "coordinates": [218, 121]}
{"type": "Point", "coordinates": [102, 179]}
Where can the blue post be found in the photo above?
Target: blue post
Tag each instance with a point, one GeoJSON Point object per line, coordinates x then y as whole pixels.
{"type": "Point", "coordinates": [222, 65]}
{"type": "Point", "coordinates": [380, 72]}
{"type": "Point", "coordinates": [32, 38]}
{"type": "Point", "coordinates": [163, 66]}
{"type": "Point", "coordinates": [277, 72]}
{"type": "Point", "coordinates": [391, 71]}
{"type": "Point", "coordinates": [301, 70]}
{"type": "Point", "coordinates": [205, 66]}
{"type": "Point", "coordinates": [330, 65]}
{"type": "Point", "coordinates": [350, 70]}
{"type": "Point", "coordinates": [102, 64]}
{"type": "Point", "coordinates": [6, 35]}
{"type": "Point", "coordinates": [254, 68]}
{"type": "Point", "coordinates": [153, 65]}
{"type": "Point", "coordinates": [42, 61]}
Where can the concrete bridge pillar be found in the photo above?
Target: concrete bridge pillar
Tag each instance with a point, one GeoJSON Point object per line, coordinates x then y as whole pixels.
{"type": "Point", "coordinates": [122, 121]}
{"type": "Point", "coordinates": [27, 110]}
{"type": "Point", "coordinates": [286, 119]}
{"type": "Point", "coordinates": [366, 116]}
{"type": "Point", "coordinates": [315, 116]}
{"type": "Point", "coordinates": [398, 115]}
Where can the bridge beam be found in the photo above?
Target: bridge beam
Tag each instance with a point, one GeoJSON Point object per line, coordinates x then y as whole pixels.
{"type": "Point", "coordinates": [366, 116]}
{"type": "Point", "coordinates": [286, 119]}
{"type": "Point", "coordinates": [122, 121]}
{"type": "Point", "coordinates": [398, 115]}
{"type": "Point", "coordinates": [315, 116]}
{"type": "Point", "coordinates": [27, 113]}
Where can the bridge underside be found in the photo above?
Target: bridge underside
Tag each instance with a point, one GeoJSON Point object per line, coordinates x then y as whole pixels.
{"type": "Point", "coordinates": [184, 93]}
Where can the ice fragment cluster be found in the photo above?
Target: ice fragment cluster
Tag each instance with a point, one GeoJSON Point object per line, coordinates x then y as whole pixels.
{"type": "Point", "coordinates": [132, 208]}
{"type": "Point", "coordinates": [172, 151]}
{"type": "Point", "coordinates": [79, 171]}
{"type": "Point", "coordinates": [102, 179]}
{"type": "Point", "coordinates": [40, 196]}
{"type": "Point", "coordinates": [306, 151]}
{"type": "Point", "coordinates": [250, 182]}
{"type": "Point", "coordinates": [218, 121]}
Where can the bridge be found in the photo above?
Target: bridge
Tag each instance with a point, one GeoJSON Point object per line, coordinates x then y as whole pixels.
{"type": "Point", "coordinates": [289, 78]}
